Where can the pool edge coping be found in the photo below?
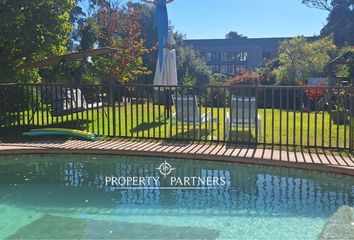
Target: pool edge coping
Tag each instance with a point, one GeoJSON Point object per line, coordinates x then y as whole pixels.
{"type": "Point", "coordinates": [336, 169]}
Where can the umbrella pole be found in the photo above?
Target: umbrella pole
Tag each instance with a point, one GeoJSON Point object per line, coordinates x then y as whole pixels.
{"type": "Point", "coordinates": [167, 104]}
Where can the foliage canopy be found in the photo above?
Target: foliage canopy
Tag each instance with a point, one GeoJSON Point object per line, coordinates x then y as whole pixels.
{"type": "Point", "coordinates": [31, 31]}
{"type": "Point", "coordinates": [340, 21]}
{"type": "Point", "coordinates": [300, 59]}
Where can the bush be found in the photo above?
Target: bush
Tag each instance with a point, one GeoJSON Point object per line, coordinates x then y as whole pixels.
{"type": "Point", "coordinates": [245, 78]}
{"type": "Point", "coordinates": [216, 96]}
{"type": "Point", "coordinates": [266, 74]}
{"type": "Point", "coordinates": [13, 99]}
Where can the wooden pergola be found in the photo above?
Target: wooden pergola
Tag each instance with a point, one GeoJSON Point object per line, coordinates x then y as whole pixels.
{"type": "Point", "coordinates": [345, 59]}
{"type": "Point", "coordinates": [76, 56]}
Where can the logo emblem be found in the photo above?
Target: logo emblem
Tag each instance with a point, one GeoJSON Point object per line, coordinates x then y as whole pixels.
{"type": "Point", "coordinates": [165, 169]}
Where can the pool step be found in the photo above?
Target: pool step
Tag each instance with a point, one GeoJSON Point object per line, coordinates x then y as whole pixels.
{"type": "Point", "coordinates": [340, 225]}
{"type": "Point", "coordinates": [60, 227]}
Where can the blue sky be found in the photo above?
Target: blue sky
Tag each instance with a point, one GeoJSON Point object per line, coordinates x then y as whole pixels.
{"type": "Point", "coordinates": [252, 18]}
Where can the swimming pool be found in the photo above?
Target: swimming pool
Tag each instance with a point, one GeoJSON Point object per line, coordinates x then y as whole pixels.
{"type": "Point", "coordinates": [70, 196]}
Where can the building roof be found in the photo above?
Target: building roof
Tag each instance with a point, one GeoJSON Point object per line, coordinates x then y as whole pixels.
{"type": "Point", "coordinates": [241, 41]}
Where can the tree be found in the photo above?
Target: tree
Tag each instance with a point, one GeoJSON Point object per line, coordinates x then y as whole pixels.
{"type": "Point", "coordinates": [31, 31]}
{"type": "Point", "coordinates": [216, 96]}
{"type": "Point", "coordinates": [119, 28]}
{"type": "Point", "coordinates": [149, 34]}
{"type": "Point", "coordinates": [234, 35]}
{"type": "Point", "coordinates": [191, 70]}
{"type": "Point", "coordinates": [266, 74]}
{"type": "Point", "coordinates": [320, 4]}
{"type": "Point", "coordinates": [340, 20]}
{"type": "Point", "coordinates": [246, 77]}
{"type": "Point", "coordinates": [300, 59]}
{"type": "Point", "coordinates": [218, 79]}
{"type": "Point", "coordinates": [327, 5]}
{"type": "Point", "coordinates": [341, 24]}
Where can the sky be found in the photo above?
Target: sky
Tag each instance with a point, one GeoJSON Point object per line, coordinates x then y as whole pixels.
{"type": "Point", "coordinates": [204, 19]}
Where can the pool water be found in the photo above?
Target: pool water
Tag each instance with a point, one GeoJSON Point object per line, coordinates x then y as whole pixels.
{"type": "Point", "coordinates": [66, 196]}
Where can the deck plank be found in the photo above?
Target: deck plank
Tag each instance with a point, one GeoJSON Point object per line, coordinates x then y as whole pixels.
{"type": "Point", "coordinates": [329, 161]}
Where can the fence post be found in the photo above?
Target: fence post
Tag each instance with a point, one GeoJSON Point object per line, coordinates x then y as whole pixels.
{"type": "Point", "coordinates": [113, 105]}
{"type": "Point", "coordinates": [351, 123]}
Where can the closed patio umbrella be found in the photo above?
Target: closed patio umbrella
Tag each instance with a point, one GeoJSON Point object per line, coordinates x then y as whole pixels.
{"type": "Point", "coordinates": [166, 70]}
{"type": "Point", "coordinates": [166, 74]}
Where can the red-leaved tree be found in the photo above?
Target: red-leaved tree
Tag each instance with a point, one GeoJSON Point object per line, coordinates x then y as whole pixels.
{"type": "Point", "coordinates": [120, 28]}
{"type": "Point", "coordinates": [246, 77]}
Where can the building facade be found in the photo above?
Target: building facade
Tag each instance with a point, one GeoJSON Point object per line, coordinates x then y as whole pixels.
{"type": "Point", "coordinates": [229, 56]}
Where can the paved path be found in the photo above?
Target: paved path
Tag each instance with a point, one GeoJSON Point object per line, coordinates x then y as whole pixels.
{"type": "Point", "coordinates": [332, 162]}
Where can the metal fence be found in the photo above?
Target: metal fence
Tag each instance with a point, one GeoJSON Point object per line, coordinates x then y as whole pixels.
{"type": "Point", "coordinates": [268, 115]}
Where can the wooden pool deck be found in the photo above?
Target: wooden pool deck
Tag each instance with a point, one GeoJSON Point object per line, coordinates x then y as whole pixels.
{"type": "Point", "coordinates": [336, 162]}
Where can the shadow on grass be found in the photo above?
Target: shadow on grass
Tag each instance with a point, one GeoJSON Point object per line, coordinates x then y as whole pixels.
{"type": "Point", "coordinates": [242, 137]}
{"type": "Point", "coordinates": [146, 126]}
{"type": "Point", "coordinates": [75, 124]}
{"type": "Point", "coordinates": [13, 133]}
{"type": "Point", "coordinates": [8, 119]}
{"type": "Point", "coordinates": [192, 135]}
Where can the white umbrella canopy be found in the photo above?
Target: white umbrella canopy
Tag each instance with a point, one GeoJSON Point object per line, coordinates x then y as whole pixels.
{"type": "Point", "coordinates": [166, 73]}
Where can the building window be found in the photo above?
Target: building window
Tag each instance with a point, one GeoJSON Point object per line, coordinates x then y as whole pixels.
{"type": "Point", "coordinates": [238, 69]}
{"type": "Point", "coordinates": [223, 69]}
{"type": "Point", "coordinates": [232, 56]}
{"type": "Point", "coordinates": [214, 68]}
{"type": "Point", "coordinates": [234, 69]}
{"type": "Point", "coordinates": [217, 68]}
{"type": "Point", "coordinates": [216, 56]}
{"type": "Point", "coordinates": [243, 56]}
{"type": "Point", "coordinates": [229, 69]}
{"type": "Point", "coordinates": [266, 57]}
{"type": "Point", "coordinates": [224, 57]}
{"type": "Point", "coordinates": [208, 56]}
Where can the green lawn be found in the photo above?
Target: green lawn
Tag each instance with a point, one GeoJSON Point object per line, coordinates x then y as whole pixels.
{"type": "Point", "coordinates": [147, 120]}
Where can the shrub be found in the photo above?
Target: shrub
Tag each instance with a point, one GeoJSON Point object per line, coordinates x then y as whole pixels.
{"type": "Point", "coordinates": [246, 78]}
{"type": "Point", "coordinates": [14, 98]}
{"type": "Point", "coordinates": [216, 97]}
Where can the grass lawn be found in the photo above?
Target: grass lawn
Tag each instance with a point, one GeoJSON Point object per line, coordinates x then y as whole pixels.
{"type": "Point", "coordinates": [147, 120]}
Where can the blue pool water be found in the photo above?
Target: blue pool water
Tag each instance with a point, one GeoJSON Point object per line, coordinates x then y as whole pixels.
{"type": "Point", "coordinates": [67, 197]}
